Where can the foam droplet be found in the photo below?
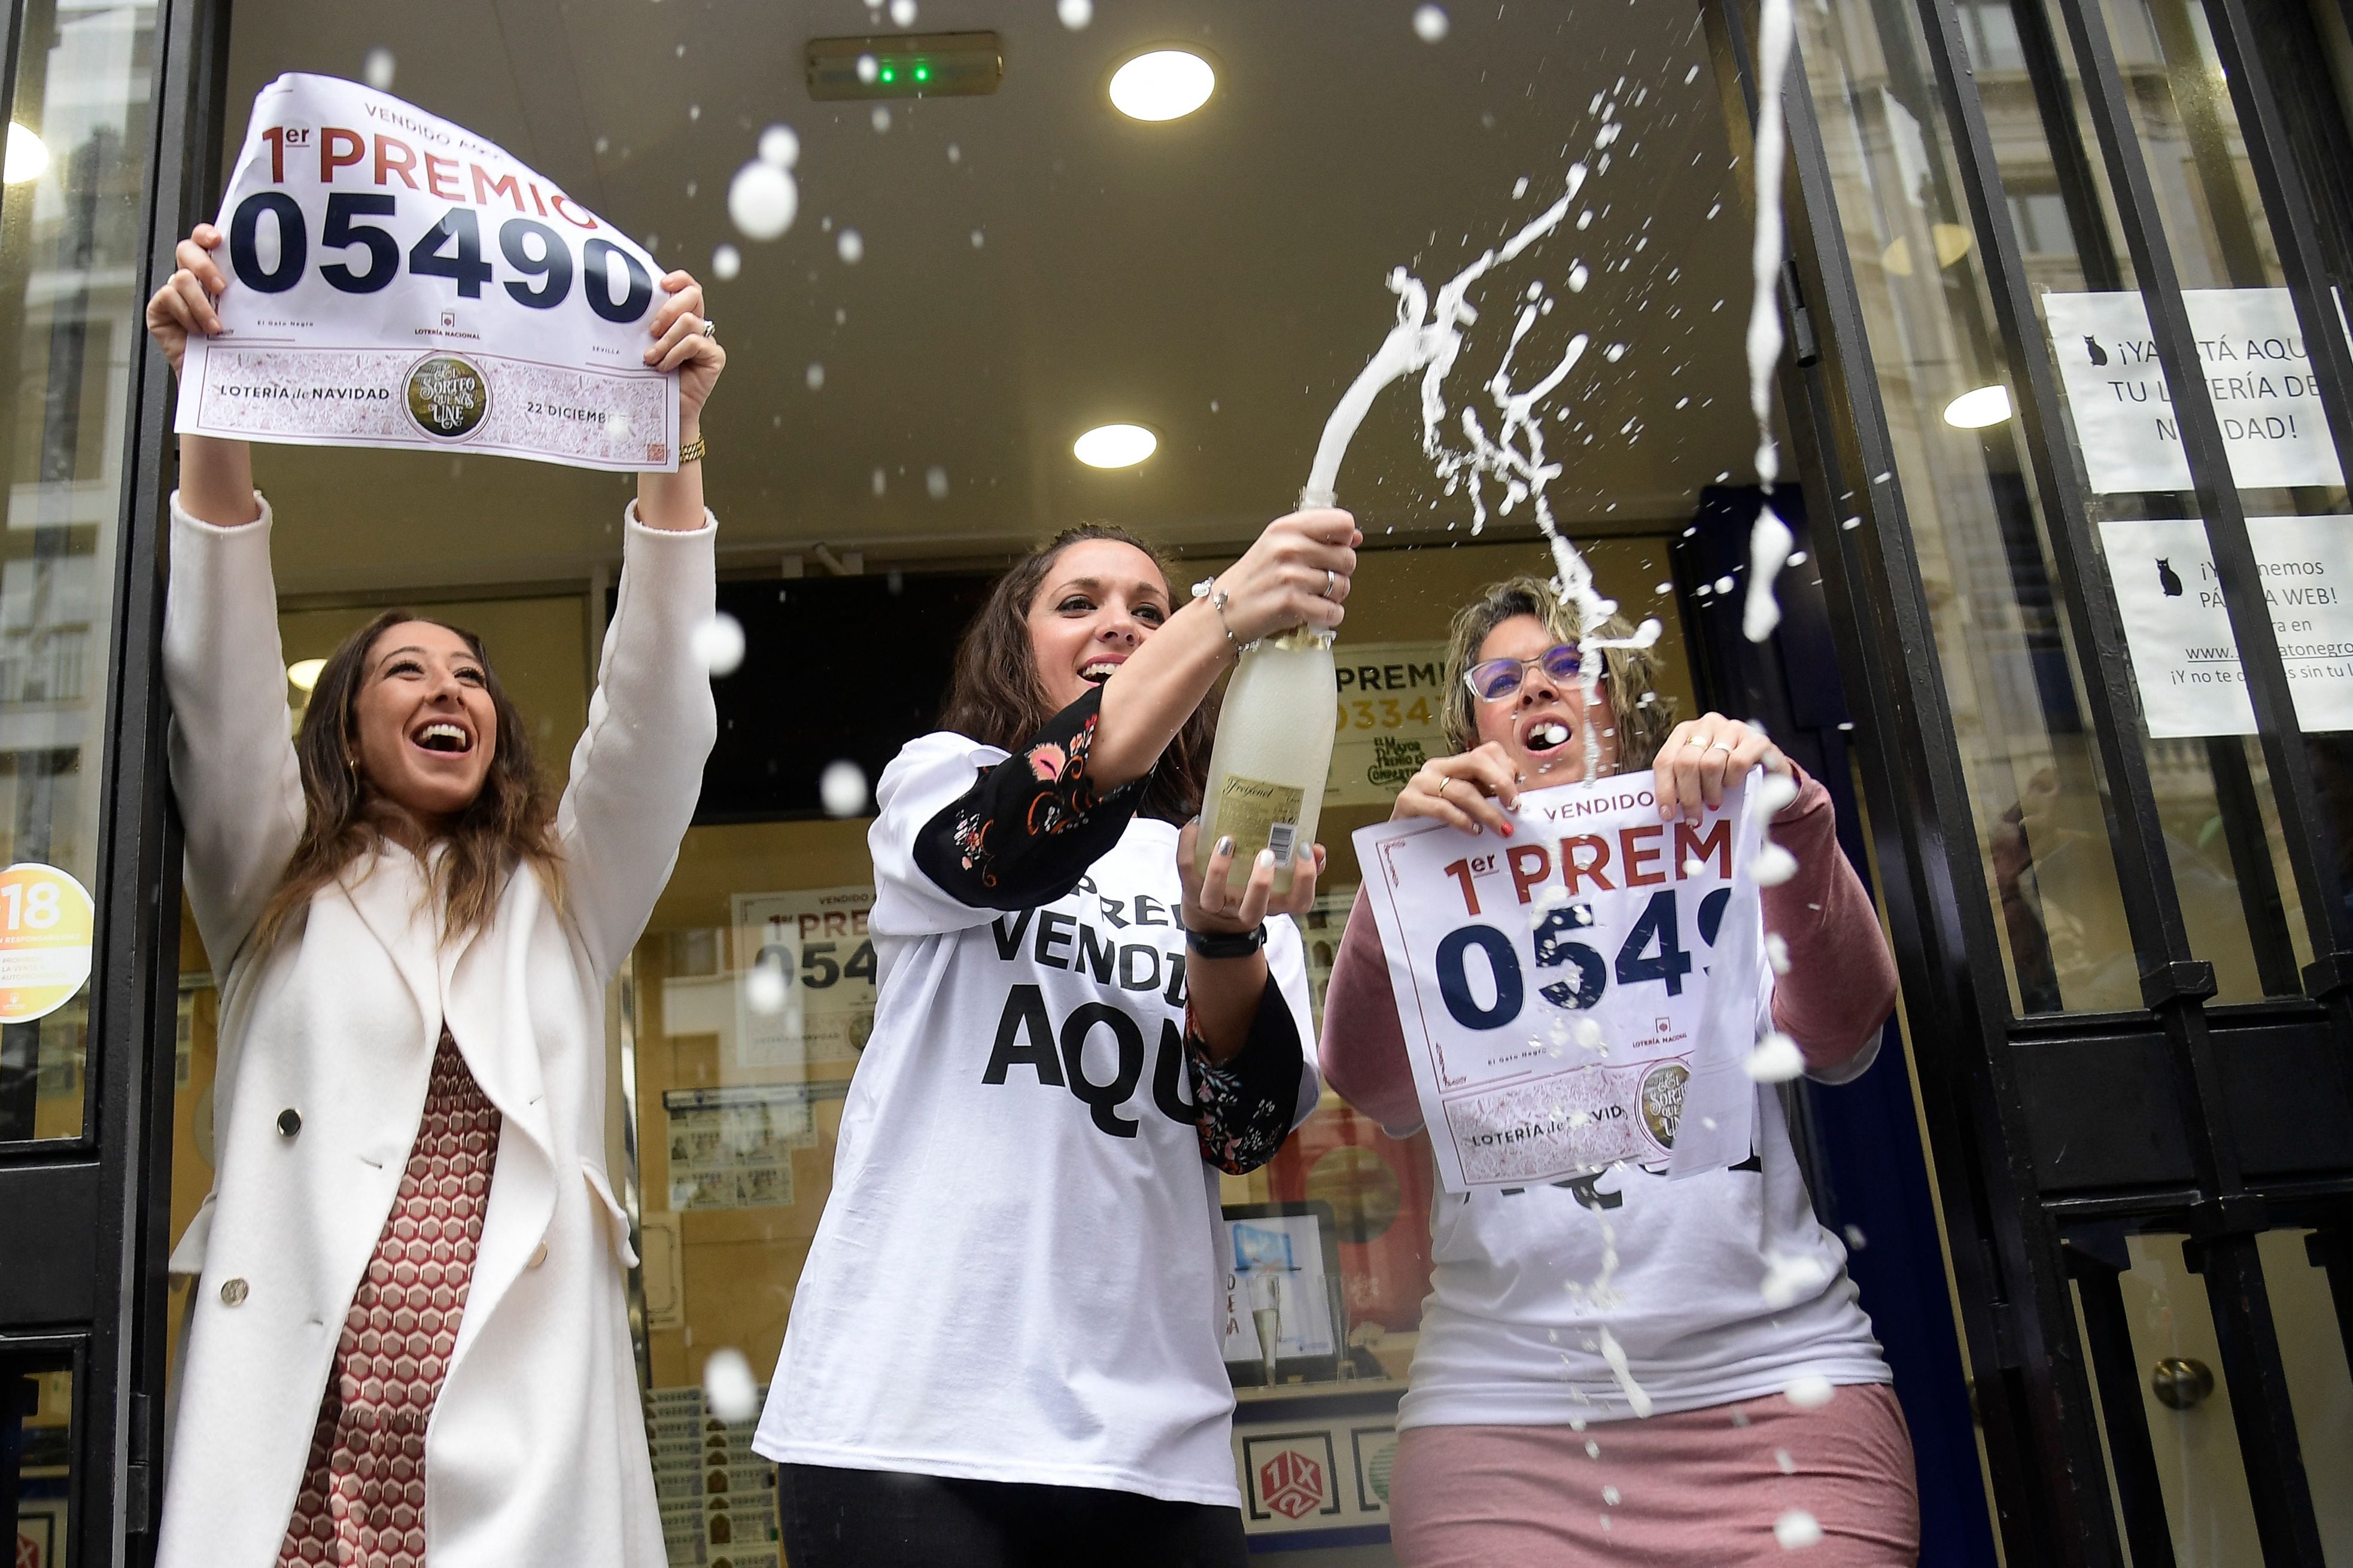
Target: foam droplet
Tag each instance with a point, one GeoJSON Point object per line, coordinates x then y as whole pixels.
{"type": "Point", "coordinates": [765, 987]}
{"type": "Point", "coordinates": [936, 482]}
{"type": "Point", "coordinates": [1430, 22]}
{"type": "Point", "coordinates": [903, 12]}
{"type": "Point", "coordinates": [719, 644]}
{"type": "Point", "coordinates": [1773, 866]}
{"type": "Point", "coordinates": [881, 117]}
{"type": "Point", "coordinates": [780, 145]}
{"type": "Point", "coordinates": [1075, 14]}
{"type": "Point", "coordinates": [841, 788]}
{"type": "Point", "coordinates": [727, 1384]}
{"type": "Point", "coordinates": [377, 70]}
{"type": "Point", "coordinates": [851, 246]}
{"type": "Point", "coordinates": [880, 480]}
{"type": "Point", "coordinates": [1797, 1528]}
{"type": "Point", "coordinates": [1775, 1059]}
{"type": "Point", "coordinates": [762, 200]}
{"type": "Point", "coordinates": [814, 375]}
{"type": "Point", "coordinates": [726, 262]}
{"type": "Point", "coordinates": [869, 68]}
{"type": "Point", "coordinates": [1811, 1391]}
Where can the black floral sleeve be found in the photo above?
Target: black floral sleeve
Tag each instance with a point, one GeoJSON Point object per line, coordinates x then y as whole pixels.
{"type": "Point", "coordinates": [1243, 1108]}
{"type": "Point", "coordinates": [1030, 828]}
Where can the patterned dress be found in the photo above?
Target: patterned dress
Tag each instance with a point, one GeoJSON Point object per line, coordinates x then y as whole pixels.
{"type": "Point", "coordinates": [363, 1498]}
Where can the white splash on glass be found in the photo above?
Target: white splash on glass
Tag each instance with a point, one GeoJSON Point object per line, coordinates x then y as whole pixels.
{"type": "Point", "coordinates": [766, 986]}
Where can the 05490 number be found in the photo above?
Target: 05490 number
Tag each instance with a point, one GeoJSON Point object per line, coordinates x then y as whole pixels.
{"type": "Point", "coordinates": [820, 971]}
{"type": "Point", "coordinates": [1652, 950]}
{"type": "Point", "coordinates": [451, 249]}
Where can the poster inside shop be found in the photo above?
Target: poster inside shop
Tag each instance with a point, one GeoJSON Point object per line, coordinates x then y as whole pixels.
{"type": "Point", "coordinates": [1559, 990]}
{"type": "Point", "coordinates": [1274, 1265]}
{"type": "Point", "coordinates": [2184, 657]}
{"type": "Point", "coordinates": [805, 991]}
{"type": "Point", "coordinates": [2258, 374]}
{"type": "Point", "coordinates": [397, 280]}
{"type": "Point", "coordinates": [733, 1148]}
{"type": "Point", "coordinates": [1391, 718]}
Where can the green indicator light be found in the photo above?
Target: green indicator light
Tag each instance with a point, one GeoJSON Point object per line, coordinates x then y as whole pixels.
{"type": "Point", "coordinates": [890, 73]}
{"type": "Point", "coordinates": [923, 73]}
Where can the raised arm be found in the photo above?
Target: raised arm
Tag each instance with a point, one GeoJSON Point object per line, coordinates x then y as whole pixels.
{"type": "Point", "coordinates": [1841, 986]}
{"type": "Point", "coordinates": [233, 767]}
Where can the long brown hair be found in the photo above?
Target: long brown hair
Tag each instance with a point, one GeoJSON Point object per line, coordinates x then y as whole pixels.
{"type": "Point", "coordinates": [995, 697]}
{"type": "Point", "coordinates": [511, 823]}
{"type": "Point", "coordinates": [1629, 675]}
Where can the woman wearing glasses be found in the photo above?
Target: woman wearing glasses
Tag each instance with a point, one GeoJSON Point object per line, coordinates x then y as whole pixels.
{"type": "Point", "coordinates": [1517, 1443]}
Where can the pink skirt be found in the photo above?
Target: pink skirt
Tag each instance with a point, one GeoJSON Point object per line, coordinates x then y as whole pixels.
{"type": "Point", "coordinates": [1704, 1488]}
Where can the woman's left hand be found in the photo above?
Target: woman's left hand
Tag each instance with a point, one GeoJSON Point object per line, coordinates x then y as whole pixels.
{"type": "Point", "coordinates": [1211, 906]}
{"type": "Point", "coordinates": [1705, 758]}
{"type": "Point", "coordinates": [682, 345]}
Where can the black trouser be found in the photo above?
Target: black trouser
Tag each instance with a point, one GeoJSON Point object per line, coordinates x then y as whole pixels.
{"type": "Point", "coordinates": [886, 1518]}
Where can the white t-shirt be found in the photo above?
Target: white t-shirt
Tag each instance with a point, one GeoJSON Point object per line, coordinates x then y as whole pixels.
{"type": "Point", "coordinates": [1018, 1275]}
{"type": "Point", "coordinates": [1683, 1275]}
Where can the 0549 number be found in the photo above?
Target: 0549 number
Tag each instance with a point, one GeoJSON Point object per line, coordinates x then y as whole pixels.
{"type": "Point", "coordinates": [451, 249]}
{"type": "Point", "coordinates": [1652, 950]}
{"type": "Point", "coordinates": [820, 971]}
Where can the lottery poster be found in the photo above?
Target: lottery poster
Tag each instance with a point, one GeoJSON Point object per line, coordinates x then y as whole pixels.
{"type": "Point", "coordinates": [1580, 994]}
{"type": "Point", "coordinates": [805, 965]}
{"type": "Point", "coordinates": [397, 280]}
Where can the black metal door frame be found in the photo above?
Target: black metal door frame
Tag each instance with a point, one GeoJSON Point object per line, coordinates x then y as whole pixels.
{"type": "Point", "coordinates": [83, 1220]}
{"type": "Point", "coordinates": [2244, 1113]}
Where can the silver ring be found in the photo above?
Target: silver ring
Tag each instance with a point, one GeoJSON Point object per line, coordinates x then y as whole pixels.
{"type": "Point", "coordinates": [1328, 580]}
{"type": "Point", "coordinates": [1720, 746]}
{"type": "Point", "coordinates": [710, 328]}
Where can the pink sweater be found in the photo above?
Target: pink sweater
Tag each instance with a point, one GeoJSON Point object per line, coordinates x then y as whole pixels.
{"type": "Point", "coordinates": [1840, 988]}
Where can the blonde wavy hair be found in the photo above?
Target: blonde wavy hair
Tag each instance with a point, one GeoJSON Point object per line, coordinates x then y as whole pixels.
{"type": "Point", "coordinates": [1629, 675]}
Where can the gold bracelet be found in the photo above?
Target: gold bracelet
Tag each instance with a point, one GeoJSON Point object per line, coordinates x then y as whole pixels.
{"type": "Point", "coordinates": [692, 451]}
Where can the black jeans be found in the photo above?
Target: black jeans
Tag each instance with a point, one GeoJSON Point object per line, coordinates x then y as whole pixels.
{"type": "Point", "coordinates": [886, 1518]}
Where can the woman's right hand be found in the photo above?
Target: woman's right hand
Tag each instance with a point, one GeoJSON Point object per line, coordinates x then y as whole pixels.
{"type": "Point", "coordinates": [1471, 790]}
{"type": "Point", "coordinates": [1280, 581]}
{"type": "Point", "coordinates": [185, 303]}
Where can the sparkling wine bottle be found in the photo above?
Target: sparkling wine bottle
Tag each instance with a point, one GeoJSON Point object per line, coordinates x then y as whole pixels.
{"type": "Point", "coordinates": [1274, 751]}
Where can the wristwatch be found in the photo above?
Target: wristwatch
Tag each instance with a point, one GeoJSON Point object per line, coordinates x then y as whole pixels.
{"type": "Point", "coordinates": [1226, 944]}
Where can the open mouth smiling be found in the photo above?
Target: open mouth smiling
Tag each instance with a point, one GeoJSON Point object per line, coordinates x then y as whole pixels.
{"type": "Point", "coordinates": [1542, 736]}
{"type": "Point", "coordinates": [444, 736]}
{"type": "Point", "coordinates": [1096, 671]}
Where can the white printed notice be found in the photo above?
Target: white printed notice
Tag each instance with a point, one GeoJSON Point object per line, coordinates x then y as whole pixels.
{"type": "Point", "coordinates": [2257, 374]}
{"type": "Point", "coordinates": [396, 280]}
{"type": "Point", "coordinates": [2184, 657]}
{"type": "Point", "coordinates": [1392, 718]}
{"type": "Point", "coordinates": [820, 965]}
{"type": "Point", "coordinates": [1558, 989]}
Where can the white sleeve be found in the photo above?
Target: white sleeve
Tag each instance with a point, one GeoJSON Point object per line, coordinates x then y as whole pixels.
{"type": "Point", "coordinates": [927, 776]}
{"type": "Point", "coordinates": [232, 749]}
{"type": "Point", "coordinates": [1287, 960]}
{"type": "Point", "coordinates": [638, 770]}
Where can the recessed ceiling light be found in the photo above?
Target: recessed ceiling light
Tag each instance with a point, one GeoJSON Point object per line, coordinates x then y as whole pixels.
{"type": "Point", "coordinates": [1977, 408]}
{"type": "Point", "coordinates": [1114, 445]}
{"type": "Point", "coordinates": [1165, 84]}
{"type": "Point", "coordinates": [304, 673]}
{"type": "Point", "coordinates": [26, 156]}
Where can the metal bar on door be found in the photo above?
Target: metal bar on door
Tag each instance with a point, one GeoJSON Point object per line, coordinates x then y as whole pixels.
{"type": "Point", "coordinates": [2226, 1221]}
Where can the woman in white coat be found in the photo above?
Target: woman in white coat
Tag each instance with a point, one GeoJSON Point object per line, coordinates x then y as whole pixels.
{"type": "Point", "coordinates": [408, 1335]}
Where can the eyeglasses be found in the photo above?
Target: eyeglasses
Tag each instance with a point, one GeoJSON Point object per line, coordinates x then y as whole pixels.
{"type": "Point", "coordinates": [1491, 680]}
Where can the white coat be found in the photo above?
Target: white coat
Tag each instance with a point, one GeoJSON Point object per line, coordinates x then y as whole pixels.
{"type": "Point", "coordinates": [536, 1450]}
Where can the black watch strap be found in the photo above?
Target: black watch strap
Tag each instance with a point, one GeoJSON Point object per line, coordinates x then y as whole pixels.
{"type": "Point", "coordinates": [1226, 944]}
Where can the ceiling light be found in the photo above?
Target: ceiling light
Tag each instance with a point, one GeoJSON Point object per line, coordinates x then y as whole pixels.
{"type": "Point", "coordinates": [1166, 84]}
{"type": "Point", "coordinates": [1977, 408]}
{"type": "Point", "coordinates": [26, 156]}
{"type": "Point", "coordinates": [304, 673]}
{"type": "Point", "coordinates": [1114, 445]}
